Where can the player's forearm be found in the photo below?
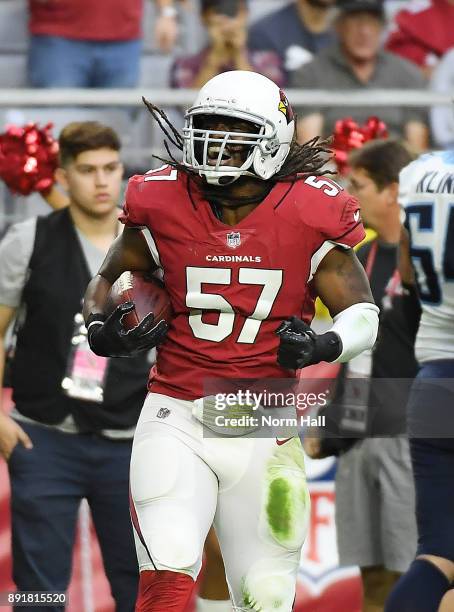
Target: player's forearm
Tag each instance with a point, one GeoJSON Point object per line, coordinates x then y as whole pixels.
{"type": "Point", "coordinates": [342, 284]}
{"type": "Point", "coordinates": [127, 253]}
{"type": "Point", "coordinates": [357, 328]}
{"type": "Point", "coordinates": [96, 296]}
{"type": "Point", "coordinates": [98, 288]}
{"type": "Point", "coordinates": [341, 281]}
{"type": "Point", "coordinates": [405, 266]}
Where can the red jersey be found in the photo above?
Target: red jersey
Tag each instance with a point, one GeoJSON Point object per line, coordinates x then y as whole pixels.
{"type": "Point", "coordinates": [98, 20]}
{"type": "Point", "coordinates": [231, 286]}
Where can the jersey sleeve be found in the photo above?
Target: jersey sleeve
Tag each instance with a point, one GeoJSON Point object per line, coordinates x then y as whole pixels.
{"type": "Point", "coordinates": [344, 226]}
{"type": "Point", "coordinates": [327, 208]}
{"type": "Point", "coordinates": [331, 214]}
{"type": "Point", "coordinates": [133, 213]}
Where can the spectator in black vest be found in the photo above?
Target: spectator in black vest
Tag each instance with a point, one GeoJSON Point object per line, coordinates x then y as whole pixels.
{"type": "Point", "coordinates": [74, 413]}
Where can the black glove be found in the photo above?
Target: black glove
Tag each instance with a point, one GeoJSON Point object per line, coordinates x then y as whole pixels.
{"type": "Point", "coordinates": [300, 346]}
{"type": "Point", "coordinates": [107, 336]}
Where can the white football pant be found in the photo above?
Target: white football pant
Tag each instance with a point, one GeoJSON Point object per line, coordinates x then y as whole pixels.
{"type": "Point", "coordinates": [253, 489]}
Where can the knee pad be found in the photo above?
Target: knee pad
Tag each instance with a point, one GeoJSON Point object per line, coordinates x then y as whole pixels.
{"type": "Point", "coordinates": [163, 591]}
{"type": "Point", "coordinates": [161, 484]}
{"type": "Point", "coordinates": [286, 505]}
{"type": "Point", "coordinates": [269, 586]}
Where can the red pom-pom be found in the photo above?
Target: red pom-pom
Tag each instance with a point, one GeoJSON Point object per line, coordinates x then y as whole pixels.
{"type": "Point", "coordinates": [349, 135]}
{"type": "Point", "coordinates": [28, 158]}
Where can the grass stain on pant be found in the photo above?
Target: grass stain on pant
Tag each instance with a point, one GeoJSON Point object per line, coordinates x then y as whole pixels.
{"type": "Point", "coordinates": [279, 509]}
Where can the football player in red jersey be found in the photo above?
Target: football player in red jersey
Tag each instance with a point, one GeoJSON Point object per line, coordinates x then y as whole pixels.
{"type": "Point", "coordinates": [247, 235]}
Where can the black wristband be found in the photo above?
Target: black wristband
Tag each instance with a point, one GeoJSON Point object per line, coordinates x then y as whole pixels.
{"type": "Point", "coordinates": [95, 317]}
{"type": "Point", "coordinates": [327, 347]}
{"type": "Point", "coordinates": [94, 322]}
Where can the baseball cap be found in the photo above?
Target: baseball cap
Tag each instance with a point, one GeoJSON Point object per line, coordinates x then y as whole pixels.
{"type": "Point", "coordinates": [353, 6]}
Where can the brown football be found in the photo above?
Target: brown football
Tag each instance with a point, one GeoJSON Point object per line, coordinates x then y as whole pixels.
{"type": "Point", "coordinates": [148, 294]}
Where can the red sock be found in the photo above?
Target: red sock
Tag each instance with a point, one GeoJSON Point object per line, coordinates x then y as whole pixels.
{"type": "Point", "coordinates": [163, 591]}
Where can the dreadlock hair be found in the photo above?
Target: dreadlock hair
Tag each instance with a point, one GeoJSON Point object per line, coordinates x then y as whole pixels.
{"type": "Point", "coordinates": [172, 134]}
{"type": "Point", "coordinates": [302, 160]}
{"type": "Point", "coordinates": [306, 159]}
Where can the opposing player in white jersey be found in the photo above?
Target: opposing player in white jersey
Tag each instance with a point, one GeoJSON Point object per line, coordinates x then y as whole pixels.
{"type": "Point", "coordinates": [427, 194]}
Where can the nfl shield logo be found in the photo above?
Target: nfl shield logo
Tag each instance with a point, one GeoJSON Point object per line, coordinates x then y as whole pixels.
{"type": "Point", "coordinates": [163, 413]}
{"type": "Point", "coordinates": [233, 240]}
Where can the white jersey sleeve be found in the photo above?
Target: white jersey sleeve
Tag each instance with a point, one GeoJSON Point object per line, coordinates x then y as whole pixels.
{"type": "Point", "coordinates": [426, 192]}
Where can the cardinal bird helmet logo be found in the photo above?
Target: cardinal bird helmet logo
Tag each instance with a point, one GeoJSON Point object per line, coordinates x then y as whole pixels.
{"type": "Point", "coordinates": [285, 108]}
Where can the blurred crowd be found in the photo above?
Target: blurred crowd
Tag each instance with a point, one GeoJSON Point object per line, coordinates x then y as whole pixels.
{"type": "Point", "coordinates": [303, 44]}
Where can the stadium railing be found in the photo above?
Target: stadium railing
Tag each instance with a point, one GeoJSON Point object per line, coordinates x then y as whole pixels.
{"type": "Point", "coordinates": [142, 139]}
{"type": "Point", "coordinates": [183, 97]}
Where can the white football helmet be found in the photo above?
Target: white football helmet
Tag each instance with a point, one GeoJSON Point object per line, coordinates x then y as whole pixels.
{"type": "Point", "coordinates": [247, 96]}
